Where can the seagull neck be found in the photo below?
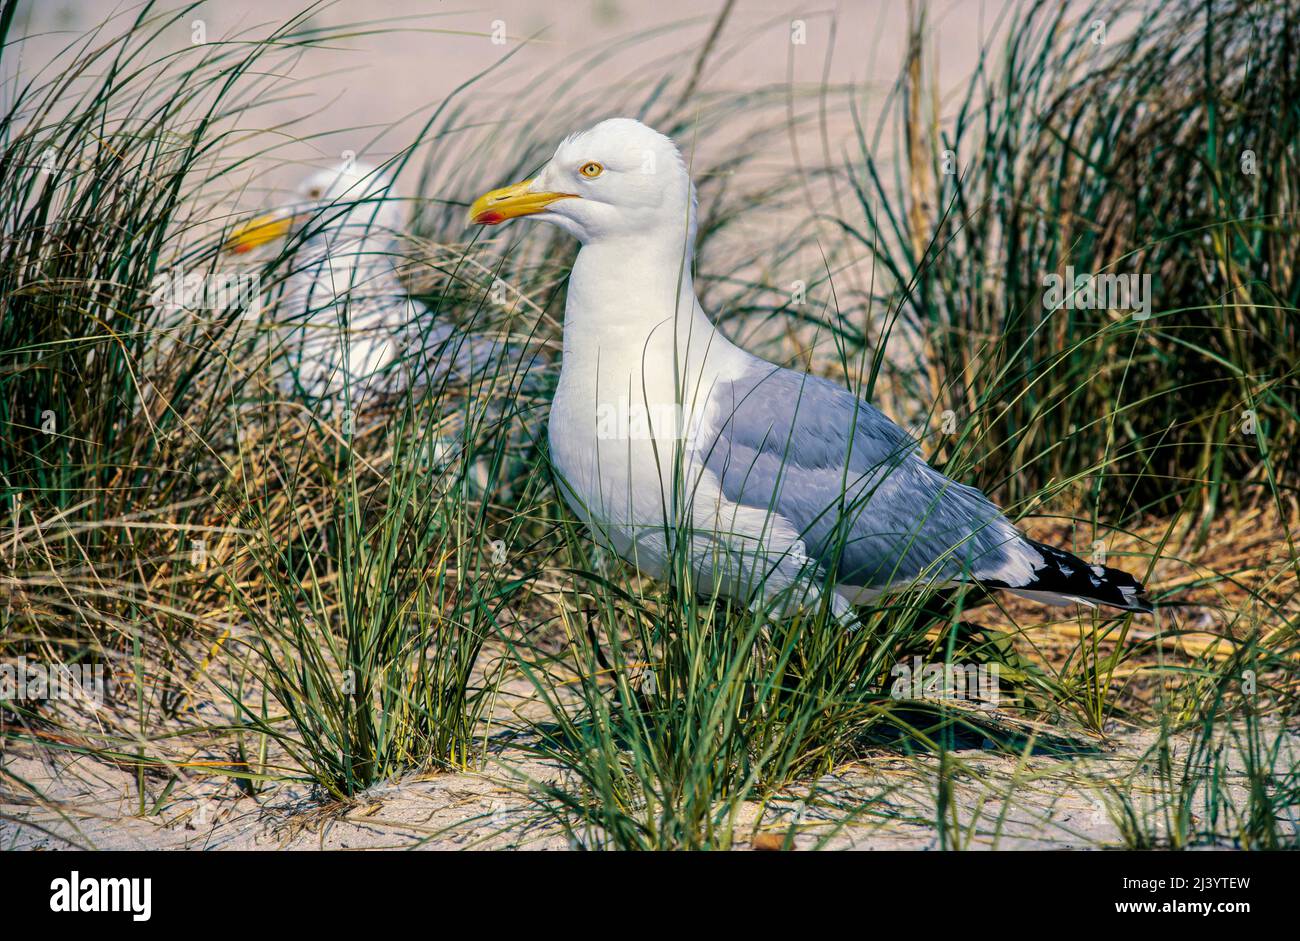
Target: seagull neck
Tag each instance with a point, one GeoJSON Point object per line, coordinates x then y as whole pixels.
{"type": "Point", "coordinates": [628, 287]}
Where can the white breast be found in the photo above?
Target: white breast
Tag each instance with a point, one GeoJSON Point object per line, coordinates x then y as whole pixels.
{"type": "Point", "coordinates": [615, 431]}
{"type": "Point", "coordinates": [632, 403]}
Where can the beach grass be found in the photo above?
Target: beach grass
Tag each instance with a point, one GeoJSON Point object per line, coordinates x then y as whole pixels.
{"type": "Point", "coordinates": [289, 594]}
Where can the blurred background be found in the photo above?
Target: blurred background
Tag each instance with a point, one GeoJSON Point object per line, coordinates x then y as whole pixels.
{"type": "Point", "coordinates": [371, 92]}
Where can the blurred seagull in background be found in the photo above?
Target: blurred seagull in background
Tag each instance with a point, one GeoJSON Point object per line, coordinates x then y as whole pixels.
{"type": "Point", "coordinates": [352, 328]}
{"type": "Point", "coordinates": [782, 485]}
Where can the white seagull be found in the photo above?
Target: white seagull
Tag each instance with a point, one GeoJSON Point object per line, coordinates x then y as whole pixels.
{"type": "Point", "coordinates": [348, 326]}
{"type": "Point", "coordinates": [781, 487]}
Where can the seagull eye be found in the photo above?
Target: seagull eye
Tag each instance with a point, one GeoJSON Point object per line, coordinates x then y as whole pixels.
{"type": "Point", "coordinates": [591, 170]}
{"type": "Point", "coordinates": [314, 192]}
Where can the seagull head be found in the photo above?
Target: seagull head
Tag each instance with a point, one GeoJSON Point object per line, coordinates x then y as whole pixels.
{"type": "Point", "coordinates": [351, 196]}
{"type": "Point", "coordinates": [615, 180]}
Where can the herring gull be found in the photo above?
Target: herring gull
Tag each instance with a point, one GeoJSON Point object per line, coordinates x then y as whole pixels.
{"type": "Point", "coordinates": [348, 326]}
{"type": "Point", "coordinates": [782, 488]}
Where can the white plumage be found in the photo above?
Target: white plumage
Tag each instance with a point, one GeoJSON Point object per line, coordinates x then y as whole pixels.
{"type": "Point", "coordinates": [780, 484]}
{"type": "Point", "coordinates": [344, 326]}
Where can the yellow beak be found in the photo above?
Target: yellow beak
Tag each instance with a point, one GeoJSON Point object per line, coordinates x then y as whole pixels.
{"type": "Point", "coordinates": [510, 202]}
{"type": "Point", "coordinates": [258, 231]}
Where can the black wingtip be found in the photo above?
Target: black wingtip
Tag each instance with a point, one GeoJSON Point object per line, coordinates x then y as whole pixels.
{"type": "Point", "coordinates": [1066, 574]}
{"type": "Point", "coordinates": [1142, 604]}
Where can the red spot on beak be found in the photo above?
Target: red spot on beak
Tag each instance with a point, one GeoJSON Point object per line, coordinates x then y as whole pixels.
{"type": "Point", "coordinates": [489, 218]}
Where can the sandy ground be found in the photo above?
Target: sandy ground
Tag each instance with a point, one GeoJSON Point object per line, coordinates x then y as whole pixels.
{"type": "Point", "coordinates": [372, 92]}
{"type": "Point", "coordinates": [887, 802]}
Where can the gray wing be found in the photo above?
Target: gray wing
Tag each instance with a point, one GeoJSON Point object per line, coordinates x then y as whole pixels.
{"type": "Point", "coordinates": [850, 481]}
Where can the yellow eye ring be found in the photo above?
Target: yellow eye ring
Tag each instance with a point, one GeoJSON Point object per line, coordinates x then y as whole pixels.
{"type": "Point", "coordinates": [591, 169]}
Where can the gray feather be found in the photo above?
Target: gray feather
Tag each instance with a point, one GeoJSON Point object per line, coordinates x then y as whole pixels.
{"type": "Point", "coordinates": [850, 480]}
